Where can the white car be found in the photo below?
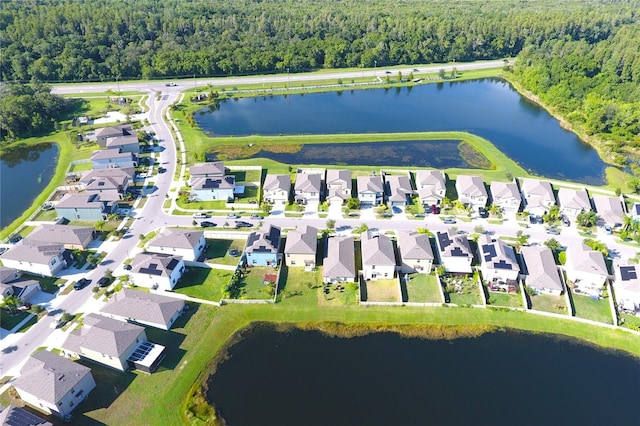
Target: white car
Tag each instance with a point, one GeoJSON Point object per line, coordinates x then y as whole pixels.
{"type": "Point", "coordinates": [56, 323]}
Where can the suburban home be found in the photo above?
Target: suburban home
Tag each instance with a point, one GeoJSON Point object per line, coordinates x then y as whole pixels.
{"type": "Point", "coordinates": [208, 170]}
{"type": "Point", "coordinates": [113, 158]}
{"type": "Point", "coordinates": [53, 384]}
{"type": "Point", "coordinates": [188, 244]}
{"type": "Point", "coordinates": [12, 284]}
{"type": "Point", "coordinates": [609, 209]}
{"type": "Point", "coordinates": [431, 186]}
{"type": "Point", "coordinates": [157, 270]}
{"type": "Point", "coordinates": [471, 191]}
{"type": "Point", "coordinates": [455, 252]}
{"type": "Point", "coordinates": [505, 195]}
{"type": "Point", "coordinates": [537, 195]}
{"type": "Point", "coordinates": [213, 188]}
{"type": "Point", "coordinates": [416, 254]}
{"type": "Point", "coordinates": [370, 190]}
{"type": "Point", "coordinates": [144, 308]}
{"type": "Point", "coordinates": [378, 256]}
{"type": "Point", "coordinates": [16, 416]}
{"type": "Point", "coordinates": [37, 257]}
{"type": "Point", "coordinates": [499, 265]}
{"type": "Point", "coordinates": [276, 189]}
{"type": "Point", "coordinates": [339, 264]}
{"type": "Point", "coordinates": [263, 247]}
{"type": "Point", "coordinates": [339, 185]}
{"type": "Point", "coordinates": [113, 131]}
{"type": "Point", "coordinates": [572, 202]}
{"type": "Point", "coordinates": [399, 190]}
{"type": "Point", "coordinates": [110, 184]}
{"type": "Point", "coordinates": [539, 270]}
{"type": "Point", "coordinates": [71, 237]}
{"type": "Point", "coordinates": [125, 143]}
{"type": "Point", "coordinates": [84, 206]}
{"type": "Point", "coordinates": [627, 286]}
{"type": "Point", "coordinates": [301, 247]}
{"type": "Point", "coordinates": [586, 269]}
{"type": "Point", "coordinates": [635, 211]}
{"type": "Point", "coordinates": [308, 187]}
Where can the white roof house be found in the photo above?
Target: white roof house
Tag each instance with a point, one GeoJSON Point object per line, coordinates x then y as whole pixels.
{"type": "Point", "coordinates": [506, 195]}
{"type": "Point", "coordinates": [370, 190]}
{"type": "Point", "coordinates": [609, 209]}
{"type": "Point", "coordinates": [540, 270]}
{"type": "Point", "coordinates": [431, 186]}
{"type": "Point", "coordinates": [573, 201]}
{"type": "Point", "coordinates": [339, 185]}
{"type": "Point", "coordinates": [586, 269]}
{"type": "Point", "coordinates": [416, 254]}
{"type": "Point", "coordinates": [157, 270]}
{"type": "Point", "coordinates": [378, 256]}
{"type": "Point", "coordinates": [308, 187]}
{"type": "Point", "coordinates": [276, 188]}
{"type": "Point", "coordinates": [144, 308]}
{"type": "Point", "coordinates": [399, 190]}
{"type": "Point", "coordinates": [471, 191]}
{"type": "Point", "coordinates": [537, 195]}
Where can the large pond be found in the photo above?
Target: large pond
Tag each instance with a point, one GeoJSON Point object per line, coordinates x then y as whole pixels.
{"type": "Point", "coordinates": [24, 173]}
{"type": "Point", "coordinates": [490, 108]}
{"type": "Point", "coordinates": [504, 378]}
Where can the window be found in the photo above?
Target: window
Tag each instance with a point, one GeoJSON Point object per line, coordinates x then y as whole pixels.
{"type": "Point", "coordinates": [293, 262]}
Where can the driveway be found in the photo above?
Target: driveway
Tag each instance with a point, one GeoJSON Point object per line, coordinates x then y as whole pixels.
{"type": "Point", "coordinates": [335, 210]}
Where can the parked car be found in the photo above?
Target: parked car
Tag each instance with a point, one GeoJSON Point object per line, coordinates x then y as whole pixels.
{"type": "Point", "coordinates": [201, 216]}
{"type": "Point", "coordinates": [553, 231]}
{"type": "Point", "coordinates": [435, 209]}
{"type": "Point", "coordinates": [241, 224]}
{"type": "Point", "coordinates": [56, 322]}
{"type": "Point", "coordinates": [233, 216]}
{"type": "Point", "coordinates": [449, 220]}
{"type": "Point", "coordinates": [103, 282]}
{"type": "Point", "coordinates": [127, 267]}
{"type": "Point", "coordinates": [207, 224]}
{"type": "Point", "coordinates": [608, 230]}
{"type": "Point", "coordinates": [483, 213]}
{"type": "Point", "coordinates": [81, 283]}
{"type": "Point", "coordinates": [256, 216]}
{"type": "Point", "coordinates": [396, 210]}
{"type": "Point", "coordinates": [565, 220]}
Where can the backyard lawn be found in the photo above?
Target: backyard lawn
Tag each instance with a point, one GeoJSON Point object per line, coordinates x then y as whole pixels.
{"type": "Point", "coordinates": [299, 287]}
{"type": "Point", "coordinates": [204, 283]}
{"type": "Point", "coordinates": [630, 321]}
{"type": "Point", "coordinates": [422, 288]}
{"type": "Point", "coordinates": [462, 290]}
{"type": "Point", "coordinates": [247, 175]}
{"type": "Point", "coordinates": [9, 321]}
{"type": "Point", "coordinates": [595, 310]}
{"type": "Point", "coordinates": [504, 299]}
{"type": "Point", "coordinates": [218, 251]}
{"type": "Point", "coordinates": [549, 303]}
{"type": "Point", "coordinates": [382, 290]}
{"type": "Point", "coordinates": [252, 284]}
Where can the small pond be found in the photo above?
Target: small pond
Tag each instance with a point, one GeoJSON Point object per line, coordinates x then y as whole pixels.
{"type": "Point", "coordinates": [502, 378]}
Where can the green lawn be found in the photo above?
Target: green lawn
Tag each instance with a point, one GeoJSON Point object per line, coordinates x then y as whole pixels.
{"type": "Point", "coordinates": [466, 292]}
{"type": "Point", "coordinates": [247, 175]}
{"type": "Point", "coordinates": [630, 321]}
{"type": "Point", "coordinates": [204, 283]}
{"type": "Point", "coordinates": [9, 321]}
{"type": "Point", "coordinates": [596, 310]}
{"type": "Point", "coordinates": [48, 284]}
{"type": "Point", "coordinates": [81, 167]}
{"type": "Point", "coordinates": [504, 299]}
{"type": "Point", "coordinates": [218, 251]}
{"type": "Point", "coordinates": [252, 283]}
{"type": "Point", "coordinates": [251, 193]}
{"type": "Point", "coordinates": [549, 303]}
{"type": "Point", "coordinates": [46, 215]}
{"type": "Point", "coordinates": [382, 290]}
{"type": "Point", "coordinates": [423, 288]}
{"type": "Point", "coordinates": [300, 287]}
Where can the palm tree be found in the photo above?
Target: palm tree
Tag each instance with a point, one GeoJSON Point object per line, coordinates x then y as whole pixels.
{"type": "Point", "coordinates": [522, 239]}
{"type": "Point", "coordinates": [587, 218]}
{"type": "Point", "coordinates": [11, 303]}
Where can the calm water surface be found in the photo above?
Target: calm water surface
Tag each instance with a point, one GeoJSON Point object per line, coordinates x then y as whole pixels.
{"type": "Point", "coordinates": [507, 378]}
{"type": "Point", "coordinates": [489, 108]}
{"type": "Point", "coordinates": [24, 173]}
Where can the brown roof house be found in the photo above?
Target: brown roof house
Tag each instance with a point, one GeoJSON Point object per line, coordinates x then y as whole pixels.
{"type": "Point", "coordinates": [540, 271]}
{"type": "Point", "coordinates": [144, 308]}
{"type": "Point", "coordinates": [53, 384]}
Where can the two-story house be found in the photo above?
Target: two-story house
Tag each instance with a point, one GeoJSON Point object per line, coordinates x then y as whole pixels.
{"type": "Point", "coordinates": [399, 190]}
{"type": "Point", "coordinates": [471, 191]}
{"type": "Point", "coordinates": [609, 209]}
{"type": "Point", "coordinates": [70, 236]}
{"type": "Point", "coordinates": [586, 270]}
{"type": "Point", "coordinates": [105, 133]}
{"type": "Point", "coordinates": [416, 254]}
{"type": "Point", "coordinates": [84, 206]}
{"type": "Point", "coordinates": [140, 307]}
{"type": "Point", "coordinates": [276, 189]}
{"type": "Point", "coordinates": [339, 186]}
{"type": "Point", "coordinates": [339, 264]}
{"type": "Point", "coordinates": [378, 256]}
{"type": "Point", "coordinates": [157, 270]}
{"type": "Point", "coordinates": [499, 266]}
{"type": "Point", "coordinates": [431, 186]}
{"type": "Point", "coordinates": [454, 252]}
{"type": "Point", "coordinates": [539, 270]}
{"type": "Point", "coordinates": [113, 158]}
{"type": "Point", "coordinates": [506, 195]}
{"type": "Point", "coordinates": [537, 195]}
{"type": "Point", "coordinates": [572, 202]}
{"type": "Point", "coordinates": [370, 190]}
{"type": "Point", "coordinates": [301, 247]}
{"type": "Point", "coordinates": [263, 247]}
{"type": "Point", "coordinates": [36, 257]}
{"type": "Point", "coordinates": [307, 188]}
{"type": "Point", "coordinates": [188, 244]}
{"type": "Point", "coordinates": [13, 284]}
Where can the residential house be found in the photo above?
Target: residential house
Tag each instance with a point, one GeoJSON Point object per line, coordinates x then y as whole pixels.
{"type": "Point", "coordinates": [187, 244]}
{"type": "Point", "coordinates": [84, 206]}
{"type": "Point", "coordinates": [370, 190]}
{"type": "Point", "coordinates": [144, 308]}
{"type": "Point", "coordinates": [399, 190]}
{"type": "Point", "coordinates": [339, 263]}
{"type": "Point", "coordinates": [499, 266]}
{"type": "Point", "coordinates": [454, 251]}
{"type": "Point", "coordinates": [213, 188]}
{"type": "Point", "coordinates": [471, 191]}
{"type": "Point", "coordinates": [12, 284]}
{"type": "Point", "coordinates": [416, 254]}
{"type": "Point", "coordinates": [586, 269]}
{"type": "Point", "coordinates": [627, 286]}
{"type": "Point", "coordinates": [431, 186]}
{"type": "Point", "coordinates": [37, 257]}
{"type": "Point", "coordinates": [157, 270]}
{"type": "Point", "coordinates": [208, 170]}
{"type": "Point", "coordinates": [263, 247]}
{"type": "Point", "coordinates": [104, 340]}
{"type": "Point", "coordinates": [301, 247]}
{"type": "Point", "coordinates": [276, 189]}
{"type": "Point", "coordinates": [537, 195]}
{"type": "Point", "coordinates": [118, 175]}
{"type": "Point", "coordinates": [71, 237]}
{"type": "Point", "coordinates": [609, 209]}
{"type": "Point", "coordinates": [506, 195]}
{"type": "Point", "coordinates": [572, 202]}
{"type": "Point", "coordinates": [378, 256]}
{"type": "Point", "coordinates": [16, 416]}
{"type": "Point", "coordinates": [113, 158]}
{"type": "Point", "coordinates": [635, 211]}
{"type": "Point", "coordinates": [308, 187]}
{"type": "Point", "coordinates": [539, 270]}
{"type": "Point", "coordinates": [110, 184]}
{"type": "Point", "coordinates": [53, 384]}
{"type": "Point", "coordinates": [125, 143]}
{"type": "Point", "coordinates": [339, 185]}
{"type": "Point", "coordinates": [110, 132]}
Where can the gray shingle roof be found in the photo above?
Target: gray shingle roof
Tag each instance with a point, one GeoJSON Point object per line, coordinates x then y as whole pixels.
{"type": "Point", "coordinates": [63, 234]}
{"type": "Point", "coordinates": [540, 268]}
{"type": "Point", "coordinates": [582, 258]}
{"type": "Point", "coordinates": [340, 260]}
{"type": "Point", "coordinates": [339, 177]}
{"type": "Point", "coordinates": [304, 240]}
{"type": "Point", "coordinates": [105, 154]}
{"type": "Point", "coordinates": [413, 245]}
{"type": "Point", "coordinates": [49, 377]}
{"type": "Point", "coordinates": [116, 173]}
{"type": "Point", "coordinates": [143, 307]}
{"type": "Point", "coordinates": [471, 186]}
{"type": "Point", "coordinates": [308, 182]}
{"type": "Point", "coordinates": [177, 238]}
{"type": "Point", "coordinates": [504, 191]}
{"type": "Point", "coordinates": [538, 193]}
{"type": "Point", "coordinates": [264, 241]}
{"type": "Point", "coordinates": [399, 187]}
{"type": "Point", "coordinates": [574, 199]}
{"type": "Point", "coordinates": [220, 182]}
{"type": "Point", "coordinates": [215, 168]}
{"type": "Point", "coordinates": [369, 184]}
{"type": "Point", "coordinates": [274, 182]}
{"type": "Point", "coordinates": [155, 264]}
{"type": "Point", "coordinates": [609, 208]}
{"type": "Point", "coordinates": [80, 201]}
{"type": "Point", "coordinates": [453, 245]}
{"type": "Point", "coordinates": [103, 335]}
{"type": "Point", "coordinates": [117, 141]}
{"type": "Point", "coordinates": [16, 416]}
{"type": "Point", "coordinates": [377, 249]}
{"type": "Point", "coordinates": [28, 250]}
{"type": "Point", "coordinates": [497, 254]}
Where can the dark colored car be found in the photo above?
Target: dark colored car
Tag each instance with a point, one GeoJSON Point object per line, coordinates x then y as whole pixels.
{"type": "Point", "coordinates": [435, 209]}
{"type": "Point", "coordinates": [127, 267]}
{"type": "Point", "coordinates": [207, 224]}
{"type": "Point", "coordinates": [483, 213]}
{"type": "Point", "coordinates": [81, 283]}
{"type": "Point", "coordinates": [532, 219]}
{"type": "Point", "coordinates": [103, 282]}
{"type": "Point", "coordinates": [241, 224]}
{"type": "Point", "coordinates": [396, 210]}
{"type": "Point", "coordinates": [565, 221]}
